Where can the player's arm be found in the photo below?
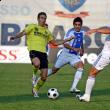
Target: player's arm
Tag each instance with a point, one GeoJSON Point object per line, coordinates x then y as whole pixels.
{"type": "Point", "coordinates": [18, 35]}
{"type": "Point", "coordinates": [55, 43]}
{"type": "Point", "coordinates": [103, 30]}
{"type": "Point", "coordinates": [82, 50]}
{"type": "Point", "coordinates": [71, 48]}
{"type": "Point", "coordinates": [100, 30]}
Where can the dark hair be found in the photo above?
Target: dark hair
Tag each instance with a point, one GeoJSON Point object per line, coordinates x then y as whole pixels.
{"type": "Point", "coordinates": [78, 19]}
{"type": "Point", "coordinates": [41, 13]}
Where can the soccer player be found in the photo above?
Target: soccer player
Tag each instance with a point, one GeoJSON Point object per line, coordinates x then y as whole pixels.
{"type": "Point", "coordinates": [102, 61]}
{"type": "Point", "coordinates": [37, 38]}
{"type": "Point", "coordinates": [71, 53]}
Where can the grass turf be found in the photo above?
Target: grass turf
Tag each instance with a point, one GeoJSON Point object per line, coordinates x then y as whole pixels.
{"type": "Point", "coordinates": [15, 90]}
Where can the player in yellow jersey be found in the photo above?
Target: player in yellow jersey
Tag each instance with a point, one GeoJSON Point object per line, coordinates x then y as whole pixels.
{"type": "Point", "coordinates": [38, 36]}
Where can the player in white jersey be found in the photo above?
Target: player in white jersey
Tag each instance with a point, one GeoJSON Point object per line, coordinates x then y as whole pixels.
{"type": "Point", "coordinates": [102, 61]}
{"type": "Point", "coordinates": [71, 53]}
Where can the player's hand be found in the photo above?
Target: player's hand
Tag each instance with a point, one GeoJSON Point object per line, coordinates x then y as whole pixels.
{"type": "Point", "coordinates": [12, 38]}
{"type": "Point", "coordinates": [77, 49]}
{"type": "Point", "coordinates": [81, 52]}
{"type": "Point", "coordinates": [72, 37]}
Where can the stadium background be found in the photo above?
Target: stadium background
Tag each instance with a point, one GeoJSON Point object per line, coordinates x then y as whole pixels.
{"type": "Point", "coordinates": [15, 15]}
{"type": "Point", "coordinates": [15, 78]}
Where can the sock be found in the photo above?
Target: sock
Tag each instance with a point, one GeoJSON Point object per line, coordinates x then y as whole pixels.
{"type": "Point", "coordinates": [49, 72]}
{"type": "Point", "coordinates": [34, 72]}
{"type": "Point", "coordinates": [77, 77]}
{"type": "Point", "coordinates": [39, 84]}
{"type": "Point", "coordinates": [89, 85]}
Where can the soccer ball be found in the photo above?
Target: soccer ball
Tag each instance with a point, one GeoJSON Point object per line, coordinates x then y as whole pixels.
{"type": "Point", "coordinates": [52, 93]}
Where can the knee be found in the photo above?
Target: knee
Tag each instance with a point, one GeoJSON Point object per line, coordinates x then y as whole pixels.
{"type": "Point", "coordinates": [43, 78]}
{"type": "Point", "coordinates": [36, 65]}
{"type": "Point", "coordinates": [93, 72]}
{"type": "Point", "coordinates": [79, 65]}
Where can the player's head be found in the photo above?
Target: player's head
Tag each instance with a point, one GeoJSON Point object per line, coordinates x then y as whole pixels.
{"type": "Point", "coordinates": [77, 22]}
{"type": "Point", "coordinates": [41, 18]}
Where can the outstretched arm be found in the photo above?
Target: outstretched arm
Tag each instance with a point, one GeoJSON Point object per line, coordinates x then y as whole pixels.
{"type": "Point", "coordinates": [103, 30]}
{"type": "Point", "coordinates": [18, 35]}
{"type": "Point", "coordinates": [54, 42]}
{"type": "Point", "coordinates": [71, 48]}
{"type": "Point", "coordinates": [82, 50]}
{"type": "Point", "coordinates": [100, 30]}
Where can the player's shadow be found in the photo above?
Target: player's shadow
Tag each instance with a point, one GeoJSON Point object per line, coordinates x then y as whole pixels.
{"type": "Point", "coordinates": [99, 92]}
{"type": "Point", "coordinates": [66, 94]}
{"type": "Point", "coordinates": [15, 98]}
{"type": "Point", "coordinates": [43, 96]}
{"type": "Point", "coordinates": [21, 98]}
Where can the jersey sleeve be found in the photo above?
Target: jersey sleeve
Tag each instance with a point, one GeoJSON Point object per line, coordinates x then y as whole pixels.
{"type": "Point", "coordinates": [50, 36]}
{"type": "Point", "coordinates": [68, 34]}
{"type": "Point", "coordinates": [28, 29]}
{"type": "Point", "coordinates": [84, 33]}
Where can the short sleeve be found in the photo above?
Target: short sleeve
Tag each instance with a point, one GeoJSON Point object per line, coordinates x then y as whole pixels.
{"type": "Point", "coordinates": [68, 34]}
{"type": "Point", "coordinates": [84, 33]}
{"type": "Point", "coordinates": [28, 28]}
{"type": "Point", "coordinates": [50, 36]}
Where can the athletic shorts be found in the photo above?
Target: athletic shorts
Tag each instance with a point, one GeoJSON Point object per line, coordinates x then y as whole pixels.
{"type": "Point", "coordinates": [67, 58]}
{"type": "Point", "coordinates": [41, 56]}
{"type": "Point", "coordinates": [102, 61]}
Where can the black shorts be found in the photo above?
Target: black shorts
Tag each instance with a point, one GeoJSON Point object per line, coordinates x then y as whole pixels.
{"type": "Point", "coordinates": [41, 56]}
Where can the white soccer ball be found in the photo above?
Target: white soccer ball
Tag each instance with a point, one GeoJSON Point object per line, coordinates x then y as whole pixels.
{"type": "Point", "coordinates": [52, 93]}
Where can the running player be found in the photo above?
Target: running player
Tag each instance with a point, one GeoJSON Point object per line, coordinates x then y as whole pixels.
{"type": "Point", "coordinates": [102, 61]}
{"type": "Point", "coordinates": [71, 53]}
{"type": "Point", "coordinates": [37, 38]}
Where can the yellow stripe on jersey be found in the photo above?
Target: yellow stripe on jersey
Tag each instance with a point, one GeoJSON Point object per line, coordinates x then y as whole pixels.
{"type": "Point", "coordinates": [37, 37]}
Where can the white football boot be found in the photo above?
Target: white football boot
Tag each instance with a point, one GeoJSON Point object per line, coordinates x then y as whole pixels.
{"type": "Point", "coordinates": [85, 98]}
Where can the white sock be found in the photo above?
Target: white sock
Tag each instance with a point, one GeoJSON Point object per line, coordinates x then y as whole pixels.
{"type": "Point", "coordinates": [77, 77]}
{"type": "Point", "coordinates": [89, 85]}
{"type": "Point", "coordinates": [49, 72]}
{"type": "Point", "coordinates": [74, 84]}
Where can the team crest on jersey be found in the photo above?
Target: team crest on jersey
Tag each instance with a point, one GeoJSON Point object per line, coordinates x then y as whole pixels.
{"type": "Point", "coordinates": [72, 5]}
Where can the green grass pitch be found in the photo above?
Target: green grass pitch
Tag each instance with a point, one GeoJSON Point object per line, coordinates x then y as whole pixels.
{"type": "Point", "coordinates": [15, 90]}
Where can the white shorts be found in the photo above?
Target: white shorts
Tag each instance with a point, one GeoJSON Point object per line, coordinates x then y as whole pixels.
{"type": "Point", "coordinates": [67, 58]}
{"type": "Point", "coordinates": [102, 61]}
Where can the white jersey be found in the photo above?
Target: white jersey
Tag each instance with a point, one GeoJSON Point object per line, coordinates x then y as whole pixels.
{"type": "Point", "coordinates": [104, 57]}
{"type": "Point", "coordinates": [106, 48]}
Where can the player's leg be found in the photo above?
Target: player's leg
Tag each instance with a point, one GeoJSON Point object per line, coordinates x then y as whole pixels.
{"type": "Point", "coordinates": [34, 76]}
{"type": "Point", "coordinates": [89, 84]}
{"type": "Point", "coordinates": [43, 68]}
{"type": "Point", "coordinates": [99, 64]}
{"type": "Point", "coordinates": [35, 67]}
{"type": "Point", "coordinates": [52, 70]}
{"type": "Point", "coordinates": [79, 66]}
{"type": "Point", "coordinates": [61, 61]}
{"type": "Point", "coordinates": [36, 63]}
{"type": "Point", "coordinates": [40, 81]}
{"type": "Point", "coordinates": [34, 56]}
